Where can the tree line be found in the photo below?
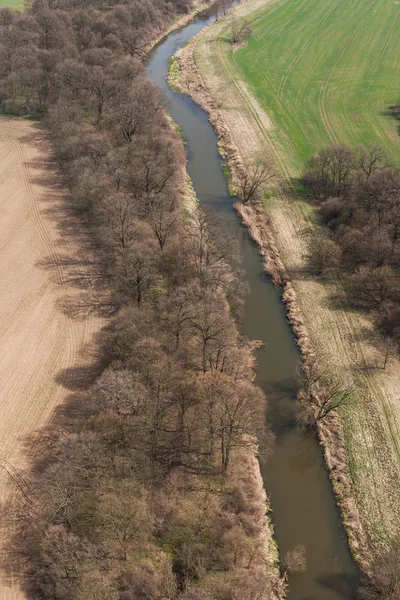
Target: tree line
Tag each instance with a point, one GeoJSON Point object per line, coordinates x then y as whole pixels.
{"type": "Point", "coordinates": [358, 198]}
{"type": "Point", "coordinates": [139, 492]}
{"type": "Point", "coordinates": [142, 489]}
{"type": "Point", "coordinates": [67, 43]}
{"type": "Point", "coordinates": [357, 194]}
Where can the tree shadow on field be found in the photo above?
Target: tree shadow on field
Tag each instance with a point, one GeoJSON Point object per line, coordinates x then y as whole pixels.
{"type": "Point", "coordinates": [336, 298]}
{"type": "Point", "coordinates": [393, 112]}
{"type": "Point", "coordinates": [72, 267]}
{"type": "Point", "coordinates": [40, 451]}
{"type": "Point", "coordinates": [81, 377]}
{"type": "Point", "coordinates": [294, 189]}
{"type": "Point", "coordinates": [71, 261]}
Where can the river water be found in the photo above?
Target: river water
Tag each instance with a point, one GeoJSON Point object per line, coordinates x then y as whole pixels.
{"type": "Point", "coordinates": [303, 506]}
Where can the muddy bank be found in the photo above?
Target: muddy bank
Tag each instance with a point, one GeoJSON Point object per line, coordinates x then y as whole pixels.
{"type": "Point", "coordinates": [185, 77]}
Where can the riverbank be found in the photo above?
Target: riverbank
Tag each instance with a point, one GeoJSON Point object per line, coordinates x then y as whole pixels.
{"type": "Point", "coordinates": [198, 7]}
{"type": "Point", "coordinates": [246, 468]}
{"type": "Point", "coordinates": [246, 471]}
{"type": "Point", "coordinates": [360, 444]}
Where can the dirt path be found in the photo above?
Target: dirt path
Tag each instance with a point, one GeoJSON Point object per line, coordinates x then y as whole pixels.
{"type": "Point", "coordinates": [44, 267]}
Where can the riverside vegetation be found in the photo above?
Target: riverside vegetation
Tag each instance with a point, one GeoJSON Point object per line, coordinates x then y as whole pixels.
{"type": "Point", "coordinates": [359, 366]}
{"type": "Point", "coordinates": [146, 484]}
{"type": "Point", "coordinates": [358, 200]}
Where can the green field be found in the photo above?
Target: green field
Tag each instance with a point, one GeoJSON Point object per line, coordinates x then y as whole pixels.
{"type": "Point", "coordinates": [325, 71]}
{"type": "Point", "coordinates": [17, 4]}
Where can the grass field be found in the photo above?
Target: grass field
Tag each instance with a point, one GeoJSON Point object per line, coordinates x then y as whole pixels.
{"type": "Point", "coordinates": [326, 71]}
{"type": "Point", "coordinates": [17, 4]}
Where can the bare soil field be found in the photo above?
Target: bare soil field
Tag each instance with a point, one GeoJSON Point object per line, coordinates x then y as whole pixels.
{"type": "Point", "coordinates": [45, 270]}
{"type": "Point", "coordinates": [361, 447]}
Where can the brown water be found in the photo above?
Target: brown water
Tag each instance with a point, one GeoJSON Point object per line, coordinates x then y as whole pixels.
{"type": "Point", "coordinates": [303, 506]}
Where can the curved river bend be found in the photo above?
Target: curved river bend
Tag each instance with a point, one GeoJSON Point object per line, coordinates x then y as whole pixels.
{"type": "Point", "coordinates": [303, 506]}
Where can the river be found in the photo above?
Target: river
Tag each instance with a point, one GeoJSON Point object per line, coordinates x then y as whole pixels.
{"type": "Point", "coordinates": [302, 501]}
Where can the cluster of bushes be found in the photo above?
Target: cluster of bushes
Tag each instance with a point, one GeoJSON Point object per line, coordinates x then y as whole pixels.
{"type": "Point", "coordinates": [146, 488]}
{"type": "Point", "coordinates": [66, 43]}
{"type": "Point", "coordinates": [358, 198]}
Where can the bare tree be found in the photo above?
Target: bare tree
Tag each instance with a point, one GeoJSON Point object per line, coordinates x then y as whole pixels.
{"type": "Point", "coordinates": [295, 560]}
{"type": "Point", "coordinates": [328, 396]}
{"type": "Point", "coordinates": [154, 168]}
{"type": "Point", "coordinates": [209, 249]}
{"type": "Point", "coordinates": [213, 332]}
{"type": "Point", "coordinates": [329, 172]}
{"type": "Point", "coordinates": [125, 518]}
{"type": "Point", "coordinates": [370, 159]}
{"type": "Point", "coordinates": [72, 75]}
{"type": "Point", "coordinates": [220, 8]}
{"type": "Point", "coordinates": [371, 287]}
{"type": "Point", "coordinates": [256, 175]}
{"type": "Point", "coordinates": [97, 586]}
{"type": "Point", "coordinates": [134, 41]}
{"type": "Point", "coordinates": [323, 254]}
{"type": "Point", "coordinates": [51, 29]}
{"type": "Point", "coordinates": [135, 271]}
{"type": "Point", "coordinates": [137, 112]}
{"type": "Point", "coordinates": [239, 30]}
{"type": "Point", "coordinates": [103, 88]}
{"type": "Point", "coordinates": [389, 348]}
{"type": "Point", "coordinates": [333, 396]}
{"type": "Point", "coordinates": [161, 213]}
{"type": "Point", "coordinates": [6, 16]}
{"type": "Point", "coordinates": [323, 393]}
{"type": "Point", "coordinates": [121, 226]}
{"type": "Point", "coordinates": [384, 583]}
{"type": "Point", "coordinates": [234, 413]}
{"type": "Point", "coordinates": [180, 306]}
{"type": "Point", "coordinates": [118, 391]}
{"type": "Point", "coordinates": [67, 559]}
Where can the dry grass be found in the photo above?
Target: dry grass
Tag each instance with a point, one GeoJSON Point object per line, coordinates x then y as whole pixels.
{"type": "Point", "coordinates": [45, 262]}
{"type": "Point", "coordinates": [361, 446]}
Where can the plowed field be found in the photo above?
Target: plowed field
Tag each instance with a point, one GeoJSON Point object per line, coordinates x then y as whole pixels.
{"type": "Point", "coordinates": [44, 268]}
